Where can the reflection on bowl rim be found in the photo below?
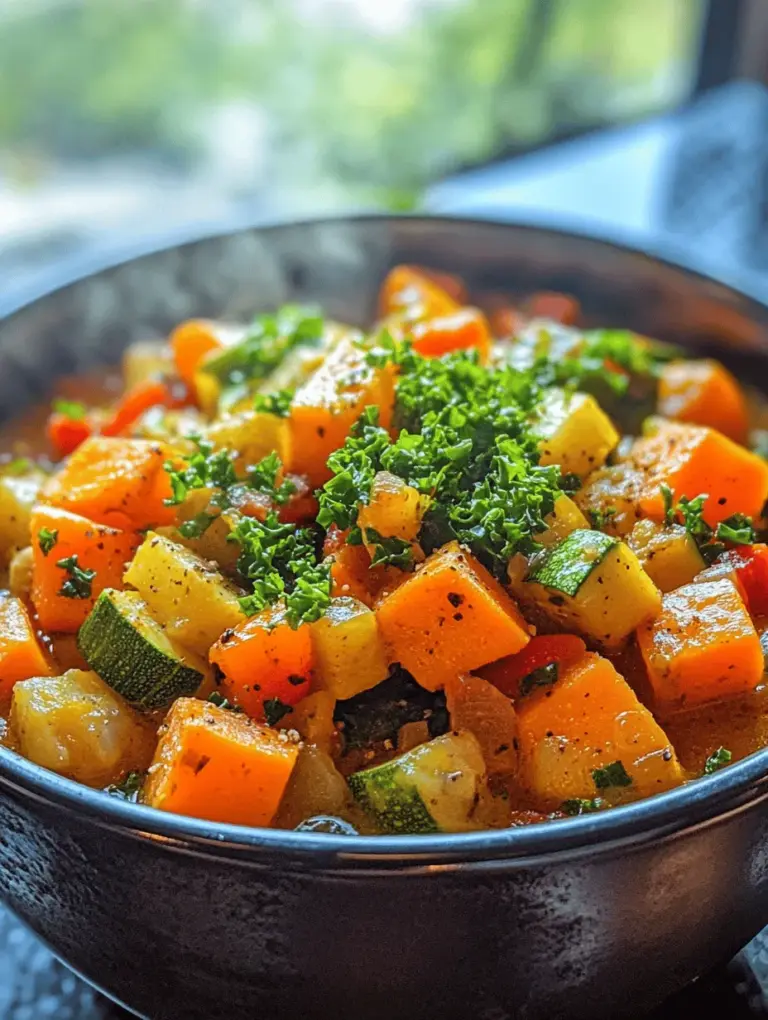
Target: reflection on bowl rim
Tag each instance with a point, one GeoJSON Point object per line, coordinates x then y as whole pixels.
{"type": "Point", "coordinates": [703, 801]}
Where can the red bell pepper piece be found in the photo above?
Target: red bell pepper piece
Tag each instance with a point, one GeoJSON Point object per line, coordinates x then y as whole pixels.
{"type": "Point", "coordinates": [751, 563]}
{"type": "Point", "coordinates": [507, 673]}
{"type": "Point", "coordinates": [65, 434]}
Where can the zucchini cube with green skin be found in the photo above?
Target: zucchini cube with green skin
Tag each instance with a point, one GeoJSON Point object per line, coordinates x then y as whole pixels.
{"type": "Point", "coordinates": [591, 583]}
{"type": "Point", "coordinates": [575, 432]}
{"type": "Point", "coordinates": [668, 553]}
{"type": "Point", "coordinates": [77, 726]}
{"type": "Point", "coordinates": [132, 653]}
{"type": "Point", "coordinates": [432, 788]}
{"type": "Point", "coordinates": [186, 593]}
{"type": "Point", "coordinates": [349, 652]}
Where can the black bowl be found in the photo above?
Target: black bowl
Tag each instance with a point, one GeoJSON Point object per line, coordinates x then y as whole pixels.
{"type": "Point", "coordinates": [599, 916]}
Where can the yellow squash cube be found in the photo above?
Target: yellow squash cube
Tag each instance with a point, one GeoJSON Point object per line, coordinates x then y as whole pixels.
{"type": "Point", "coordinates": [575, 432]}
{"type": "Point", "coordinates": [669, 555]}
{"type": "Point", "coordinates": [349, 652]}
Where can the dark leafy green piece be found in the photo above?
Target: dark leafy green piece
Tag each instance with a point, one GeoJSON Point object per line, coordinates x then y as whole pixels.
{"type": "Point", "coordinates": [78, 584]}
{"type": "Point", "coordinates": [717, 760]}
{"type": "Point", "coordinates": [581, 806]}
{"type": "Point", "coordinates": [544, 676]}
{"type": "Point", "coordinates": [47, 539]}
{"type": "Point", "coordinates": [611, 775]}
{"type": "Point", "coordinates": [129, 788]}
{"type": "Point", "coordinates": [275, 711]}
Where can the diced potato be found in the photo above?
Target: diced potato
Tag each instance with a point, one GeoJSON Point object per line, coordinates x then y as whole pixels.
{"type": "Point", "coordinates": [702, 647]}
{"type": "Point", "coordinates": [253, 434]}
{"type": "Point", "coordinates": [578, 735]}
{"type": "Point", "coordinates": [565, 518]}
{"type": "Point", "coordinates": [77, 726]}
{"type": "Point", "coordinates": [349, 652]}
{"type": "Point", "coordinates": [316, 787]}
{"type": "Point", "coordinates": [326, 407]}
{"type": "Point", "coordinates": [450, 617]}
{"type": "Point", "coordinates": [18, 494]}
{"type": "Point", "coordinates": [146, 359]}
{"type": "Point", "coordinates": [613, 597]}
{"type": "Point", "coordinates": [184, 592]}
{"type": "Point", "coordinates": [668, 554]}
{"type": "Point", "coordinates": [20, 573]}
{"type": "Point", "coordinates": [613, 492]}
{"type": "Point", "coordinates": [395, 509]}
{"type": "Point", "coordinates": [576, 433]}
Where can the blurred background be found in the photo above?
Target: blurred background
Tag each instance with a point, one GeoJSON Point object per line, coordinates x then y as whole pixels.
{"type": "Point", "coordinates": [126, 120]}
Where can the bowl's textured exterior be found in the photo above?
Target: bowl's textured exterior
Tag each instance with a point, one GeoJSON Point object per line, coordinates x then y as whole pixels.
{"type": "Point", "coordinates": [181, 920]}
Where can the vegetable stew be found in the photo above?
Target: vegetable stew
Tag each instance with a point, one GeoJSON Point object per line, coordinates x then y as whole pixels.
{"type": "Point", "coordinates": [470, 567]}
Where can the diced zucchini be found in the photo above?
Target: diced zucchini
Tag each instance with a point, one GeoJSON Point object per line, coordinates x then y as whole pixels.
{"type": "Point", "coordinates": [432, 788]}
{"type": "Point", "coordinates": [186, 593]}
{"type": "Point", "coordinates": [18, 494]}
{"type": "Point", "coordinates": [591, 583]}
{"type": "Point", "coordinates": [349, 652]}
{"type": "Point", "coordinates": [129, 650]}
{"type": "Point", "coordinates": [575, 432]}
{"type": "Point", "coordinates": [76, 726]}
{"type": "Point", "coordinates": [669, 555]}
{"type": "Point", "coordinates": [566, 566]}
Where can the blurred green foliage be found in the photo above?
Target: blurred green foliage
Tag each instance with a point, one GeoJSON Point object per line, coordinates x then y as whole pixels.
{"type": "Point", "coordinates": [387, 107]}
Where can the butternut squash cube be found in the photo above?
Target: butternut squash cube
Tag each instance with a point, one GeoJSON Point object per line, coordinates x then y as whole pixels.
{"type": "Point", "coordinates": [705, 393]}
{"type": "Point", "coordinates": [450, 617]}
{"type": "Point", "coordinates": [575, 432]}
{"type": "Point", "coordinates": [702, 647]}
{"type": "Point", "coordinates": [326, 407]}
{"type": "Point", "coordinates": [587, 735]}
{"type": "Point", "coordinates": [349, 652]}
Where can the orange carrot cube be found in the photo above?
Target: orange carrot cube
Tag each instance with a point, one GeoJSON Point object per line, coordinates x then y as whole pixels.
{"type": "Point", "coordinates": [704, 393]}
{"type": "Point", "coordinates": [21, 656]}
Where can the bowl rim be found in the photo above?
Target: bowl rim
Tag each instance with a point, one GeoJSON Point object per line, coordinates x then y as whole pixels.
{"type": "Point", "coordinates": [698, 802]}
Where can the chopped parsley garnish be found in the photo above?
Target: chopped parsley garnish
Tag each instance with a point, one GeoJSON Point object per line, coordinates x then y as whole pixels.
{"type": "Point", "coordinates": [278, 403]}
{"type": "Point", "coordinates": [281, 562]}
{"type": "Point", "coordinates": [466, 441]}
{"type": "Point", "coordinates": [221, 702]}
{"type": "Point", "coordinates": [544, 676]}
{"type": "Point", "coordinates": [275, 710]}
{"type": "Point", "coordinates": [269, 339]}
{"type": "Point", "coordinates": [717, 760]}
{"type": "Point", "coordinates": [71, 409]}
{"type": "Point", "coordinates": [78, 584]}
{"type": "Point", "coordinates": [17, 466]}
{"type": "Point", "coordinates": [206, 468]}
{"type": "Point", "coordinates": [197, 525]}
{"type": "Point", "coordinates": [611, 775]}
{"type": "Point", "coordinates": [394, 552]}
{"type": "Point", "coordinates": [734, 530]}
{"type": "Point", "coordinates": [600, 516]}
{"type": "Point", "coordinates": [263, 478]}
{"type": "Point", "coordinates": [47, 539]}
{"type": "Point", "coordinates": [129, 788]}
{"type": "Point", "coordinates": [581, 806]}
{"type": "Point", "coordinates": [570, 483]}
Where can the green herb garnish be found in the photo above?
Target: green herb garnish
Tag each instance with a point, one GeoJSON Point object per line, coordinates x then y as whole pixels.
{"type": "Point", "coordinates": [47, 539]}
{"type": "Point", "coordinates": [129, 788]}
{"type": "Point", "coordinates": [17, 466]}
{"type": "Point", "coordinates": [275, 710]}
{"type": "Point", "coordinates": [717, 760]}
{"type": "Point", "coordinates": [278, 403]}
{"type": "Point", "coordinates": [221, 702]}
{"type": "Point", "coordinates": [544, 676]}
{"type": "Point", "coordinates": [79, 582]}
{"type": "Point", "coordinates": [197, 525]}
{"type": "Point", "coordinates": [600, 516]}
{"type": "Point", "coordinates": [207, 468]}
{"type": "Point", "coordinates": [71, 409]}
{"type": "Point", "coordinates": [393, 552]}
{"type": "Point", "coordinates": [263, 478]}
{"type": "Point", "coordinates": [611, 775]}
{"type": "Point", "coordinates": [734, 530]}
{"type": "Point", "coordinates": [581, 806]}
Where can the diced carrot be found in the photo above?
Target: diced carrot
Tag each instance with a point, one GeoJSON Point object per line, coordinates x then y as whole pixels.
{"type": "Point", "coordinates": [704, 393]}
{"type": "Point", "coordinates": [551, 305]}
{"type": "Point", "coordinates": [65, 434]}
{"type": "Point", "coordinates": [97, 547]}
{"type": "Point", "coordinates": [587, 735]}
{"type": "Point", "coordinates": [108, 474]}
{"type": "Point", "coordinates": [693, 460]}
{"type": "Point", "coordinates": [466, 328]}
{"type": "Point", "coordinates": [215, 764]}
{"type": "Point", "coordinates": [540, 651]}
{"type": "Point", "coordinates": [409, 291]}
{"type": "Point", "coordinates": [21, 656]}
{"type": "Point", "coordinates": [263, 659]}
{"type": "Point", "coordinates": [143, 396]}
{"type": "Point", "coordinates": [702, 647]}
{"type": "Point", "coordinates": [192, 341]}
{"type": "Point", "coordinates": [326, 407]}
{"type": "Point", "coordinates": [479, 707]}
{"type": "Point", "coordinates": [450, 617]}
